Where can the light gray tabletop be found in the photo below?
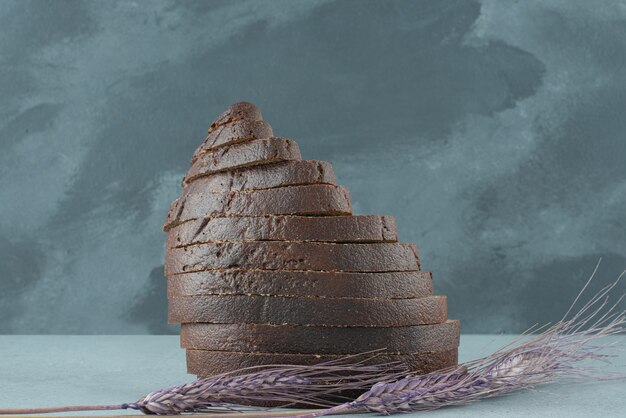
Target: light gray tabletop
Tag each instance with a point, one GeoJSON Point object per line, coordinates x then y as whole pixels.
{"type": "Point", "coordinates": [41, 371]}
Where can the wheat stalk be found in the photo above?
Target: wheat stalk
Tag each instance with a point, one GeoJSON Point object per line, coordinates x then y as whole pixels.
{"type": "Point", "coordinates": [281, 384]}
{"type": "Point", "coordinates": [550, 356]}
{"type": "Point", "coordinates": [284, 385]}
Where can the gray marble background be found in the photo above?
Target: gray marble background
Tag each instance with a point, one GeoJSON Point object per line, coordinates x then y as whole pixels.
{"type": "Point", "coordinates": [494, 131]}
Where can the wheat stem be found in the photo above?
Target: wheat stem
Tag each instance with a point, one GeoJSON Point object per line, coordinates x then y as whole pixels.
{"type": "Point", "coordinates": [23, 411]}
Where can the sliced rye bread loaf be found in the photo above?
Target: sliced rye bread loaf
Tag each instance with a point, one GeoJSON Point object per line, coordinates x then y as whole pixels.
{"type": "Point", "coordinates": [221, 133]}
{"type": "Point", "coordinates": [205, 363]}
{"type": "Point", "coordinates": [265, 176]}
{"type": "Point", "coordinates": [348, 229]}
{"type": "Point", "coordinates": [292, 255]}
{"type": "Point", "coordinates": [256, 283]}
{"type": "Point", "coordinates": [319, 340]}
{"type": "Point", "coordinates": [250, 153]}
{"type": "Point", "coordinates": [401, 284]}
{"type": "Point", "coordinates": [316, 199]}
{"type": "Point", "coordinates": [308, 311]}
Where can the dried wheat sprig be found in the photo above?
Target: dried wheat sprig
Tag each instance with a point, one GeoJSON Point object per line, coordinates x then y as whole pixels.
{"type": "Point", "coordinates": [283, 385]}
{"type": "Point", "coordinates": [550, 356]}
{"type": "Point", "coordinates": [280, 384]}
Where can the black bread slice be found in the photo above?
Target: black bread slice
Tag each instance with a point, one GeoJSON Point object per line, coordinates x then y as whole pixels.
{"type": "Point", "coordinates": [283, 255]}
{"type": "Point", "coordinates": [401, 284]}
{"type": "Point", "coordinates": [360, 228]}
{"type": "Point", "coordinates": [308, 311]}
{"type": "Point", "coordinates": [235, 112]}
{"type": "Point", "coordinates": [316, 199]}
{"type": "Point", "coordinates": [207, 363]}
{"type": "Point", "coordinates": [265, 176]}
{"type": "Point", "coordinates": [237, 131]}
{"type": "Point", "coordinates": [250, 153]}
{"type": "Point", "coordinates": [319, 340]}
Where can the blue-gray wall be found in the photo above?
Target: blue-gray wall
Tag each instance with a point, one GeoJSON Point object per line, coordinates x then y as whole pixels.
{"type": "Point", "coordinates": [494, 131]}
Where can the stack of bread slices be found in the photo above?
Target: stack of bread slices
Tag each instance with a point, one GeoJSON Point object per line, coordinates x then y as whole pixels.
{"type": "Point", "coordinates": [267, 265]}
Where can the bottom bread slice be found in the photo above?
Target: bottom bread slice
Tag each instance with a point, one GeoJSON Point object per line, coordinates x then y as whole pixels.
{"type": "Point", "coordinates": [204, 363]}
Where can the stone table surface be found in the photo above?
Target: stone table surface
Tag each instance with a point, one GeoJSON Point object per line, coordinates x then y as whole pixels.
{"type": "Point", "coordinates": [40, 371]}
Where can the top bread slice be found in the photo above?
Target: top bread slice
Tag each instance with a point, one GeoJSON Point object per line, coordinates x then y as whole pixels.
{"type": "Point", "coordinates": [240, 122]}
{"type": "Point", "coordinates": [256, 152]}
{"type": "Point", "coordinates": [235, 112]}
{"type": "Point", "coordinates": [239, 131]}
